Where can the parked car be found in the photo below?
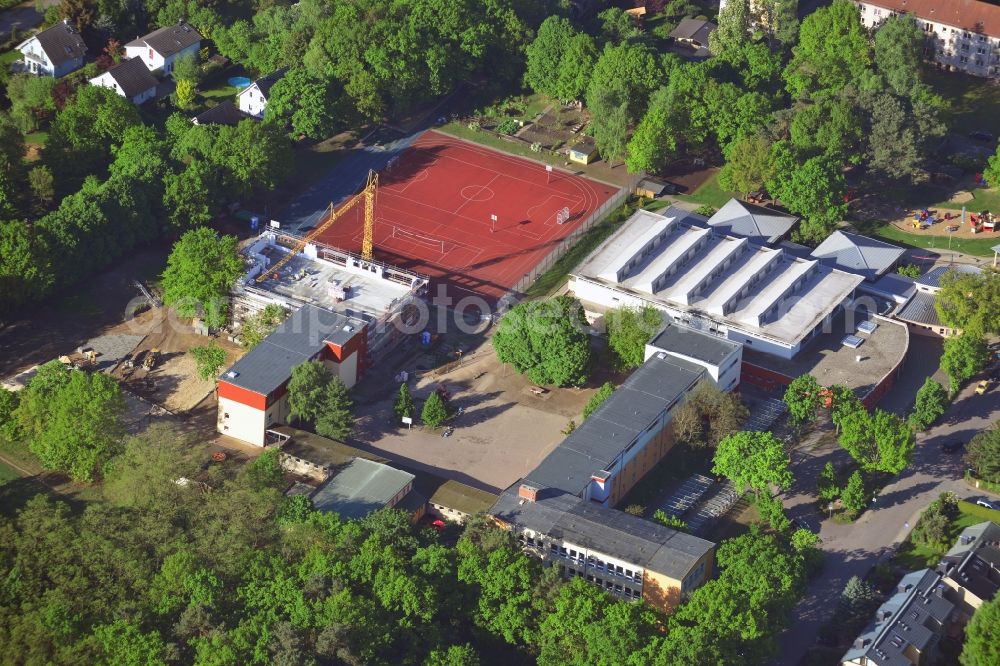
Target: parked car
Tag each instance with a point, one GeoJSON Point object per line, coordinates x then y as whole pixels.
{"type": "Point", "coordinates": [980, 135]}
{"type": "Point", "coordinates": [952, 447]}
{"type": "Point", "coordinates": [995, 505]}
{"type": "Point", "coordinates": [982, 387]}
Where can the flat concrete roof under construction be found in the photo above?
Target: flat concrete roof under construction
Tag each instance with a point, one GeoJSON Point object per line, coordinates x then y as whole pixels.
{"type": "Point", "coordinates": [318, 275]}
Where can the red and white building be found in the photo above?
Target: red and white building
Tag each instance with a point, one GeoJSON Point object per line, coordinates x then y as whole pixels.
{"type": "Point", "coordinates": [253, 392]}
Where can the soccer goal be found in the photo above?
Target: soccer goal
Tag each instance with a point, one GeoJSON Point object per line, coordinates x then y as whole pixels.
{"type": "Point", "coordinates": [424, 240]}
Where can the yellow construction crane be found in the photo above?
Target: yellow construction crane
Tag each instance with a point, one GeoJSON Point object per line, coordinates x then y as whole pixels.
{"type": "Point", "coordinates": [367, 245]}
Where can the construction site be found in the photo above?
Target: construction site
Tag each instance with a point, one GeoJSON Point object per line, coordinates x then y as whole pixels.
{"type": "Point", "coordinates": [292, 270]}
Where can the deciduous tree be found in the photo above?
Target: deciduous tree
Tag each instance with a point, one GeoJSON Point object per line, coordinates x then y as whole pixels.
{"type": "Point", "coordinates": [403, 406]}
{"type": "Point", "coordinates": [201, 269]}
{"type": "Point", "coordinates": [832, 52]}
{"type": "Point", "coordinates": [899, 50]}
{"type": "Point", "coordinates": [854, 497]}
{"type": "Point", "coordinates": [970, 301]}
{"type": "Point", "coordinates": [209, 359]}
{"type": "Point", "coordinates": [983, 453]}
{"type": "Point", "coordinates": [629, 329]}
{"type": "Point", "coordinates": [803, 399]}
{"type": "Point", "coordinates": [931, 402]}
{"type": "Point", "coordinates": [826, 484]}
{"type": "Point", "coordinates": [755, 460]}
{"type": "Point", "coordinates": [546, 340]}
{"type": "Point", "coordinates": [964, 355]}
{"type": "Point", "coordinates": [434, 411]}
{"type": "Point", "coordinates": [598, 399]}
{"type": "Point", "coordinates": [748, 165]}
{"type": "Point", "coordinates": [982, 636]}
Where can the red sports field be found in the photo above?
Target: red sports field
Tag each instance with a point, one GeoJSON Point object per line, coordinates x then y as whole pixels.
{"type": "Point", "coordinates": [433, 215]}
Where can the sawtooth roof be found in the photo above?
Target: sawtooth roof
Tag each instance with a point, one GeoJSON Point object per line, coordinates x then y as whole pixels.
{"type": "Point", "coordinates": [858, 254]}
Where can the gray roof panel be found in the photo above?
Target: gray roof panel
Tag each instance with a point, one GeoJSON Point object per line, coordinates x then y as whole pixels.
{"type": "Point", "coordinates": [694, 344]}
{"type": "Point", "coordinates": [303, 335]}
{"type": "Point", "coordinates": [61, 43]}
{"type": "Point", "coordinates": [599, 440]}
{"type": "Point", "coordinates": [932, 278]}
{"type": "Point", "coordinates": [169, 40]}
{"type": "Point", "coordinates": [757, 223]}
{"type": "Point", "coordinates": [696, 30]}
{"type": "Point", "coordinates": [920, 310]}
{"type": "Point", "coordinates": [225, 113]}
{"type": "Point", "coordinates": [133, 77]}
{"type": "Point", "coordinates": [858, 254]}
{"type": "Point", "coordinates": [360, 488]}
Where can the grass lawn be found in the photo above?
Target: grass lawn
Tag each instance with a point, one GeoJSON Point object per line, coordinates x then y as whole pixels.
{"type": "Point", "coordinates": [37, 138]}
{"type": "Point", "coordinates": [220, 92]}
{"type": "Point", "coordinates": [913, 556]}
{"type": "Point", "coordinates": [8, 57]}
{"type": "Point", "coordinates": [7, 473]}
{"type": "Point", "coordinates": [982, 199]}
{"type": "Point", "coordinates": [710, 194]}
{"type": "Point", "coordinates": [972, 103]}
{"type": "Point", "coordinates": [979, 247]}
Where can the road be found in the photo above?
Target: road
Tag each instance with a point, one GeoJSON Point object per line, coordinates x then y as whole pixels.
{"type": "Point", "coordinates": [853, 549]}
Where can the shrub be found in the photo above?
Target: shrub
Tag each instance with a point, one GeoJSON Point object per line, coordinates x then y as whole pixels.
{"type": "Point", "coordinates": [508, 126]}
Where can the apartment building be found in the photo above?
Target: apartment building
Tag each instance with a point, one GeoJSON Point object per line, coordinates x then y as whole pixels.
{"type": "Point", "coordinates": [962, 35]}
{"type": "Point", "coordinates": [629, 557]}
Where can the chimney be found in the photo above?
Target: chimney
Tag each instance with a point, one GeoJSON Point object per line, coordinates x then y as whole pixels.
{"type": "Point", "coordinates": [527, 492]}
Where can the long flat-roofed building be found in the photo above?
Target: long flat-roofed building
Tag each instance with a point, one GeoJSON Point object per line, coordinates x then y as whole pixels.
{"type": "Point", "coordinates": [714, 281]}
{"type": "Point", "coordinates": [627, 556]}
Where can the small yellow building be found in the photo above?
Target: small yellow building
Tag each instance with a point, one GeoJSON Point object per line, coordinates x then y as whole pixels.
{"type": "Point", "coordinates": [584, 152]}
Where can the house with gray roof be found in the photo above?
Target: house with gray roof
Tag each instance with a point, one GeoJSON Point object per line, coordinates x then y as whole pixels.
{"type": "Point", "coordinates": [907, 628]}
{"type": "Point", "coordinates": [224, 113]}
{"type": "Point", "coordinates": [919, 313]}
{"type": "Point", "coordinates": [629, 557]}
{"type": "Point", "coordinates": [160, 49]}
{"type": "Point", "coordinates": [130, 79]}
{"type": "Point", "coordinates": [859, 254]}
{"type": "Point", "coordinates": [971, 568]}
{"type": "Point", "coordinates": [693, 32]}
{"type": "Point", "coordinates": [55, 51]}
{"type": "Point", "coordinates": [758, 224]}
{"type": "Point", "coordinates": [721, 358]}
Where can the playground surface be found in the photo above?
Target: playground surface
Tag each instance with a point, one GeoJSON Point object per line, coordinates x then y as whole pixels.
{"type": "Point", "coordinates": [435, 209]}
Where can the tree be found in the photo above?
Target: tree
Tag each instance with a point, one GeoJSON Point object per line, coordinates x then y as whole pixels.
{"type": "Point", "coordinates": [654, 141]}
{"type": "Point", "coordinates": [879, 441]}
{"type": "Point", "coordinates": [72, 420]}
{"type": "Point", "coordinates": [970, 301]}
{"type": "Point", "coordinates": [982, 636]}
{"type": "Point", "coordinates": [209, 360]}
{"type": "Point", "coordinates": [455, 655]}
{"type": "Point", "coordinates": [832, 52]}
{"type": "Point", "coordinates": [610, 130]}
{"type": "Point", "coordinates": [262, 324]}
{"type": "Point", "coordinates": [546, 340]}
{"type": "Point", "coordinates": [26, 267]}
{"type": "Point", "coordinates": [854, 497]}
{"type": "Point", "coordinates": [307, 390]}
{"type": "Point", "coordinates": [404, 407]}
{"type": "Point", "coordinates": [629, 329]}
{"type": "Point", "coordinates": [826, 484]}
{"type": "Point", "coordinates": [772, 512]}
{"type": "Point", "coordinates": [899, 50]}
{"type": "Point", "coordinates": [598, 399]}
{"type": "Point", "coordinates": [909, 270]}
{"type": "Point", "coordinates": [545, 55]}
{"type": "Point", "coordinates": [933, 530]}
{"type": "Point", "coordinates": [813, 189]}
{"type": "Point", "coordinates": [983, 453]}
{"type": "Point", "coordinates": [335, 419]}
{"type": "Point", "coordinates": [143, 475]}
{"type": "Point", "coordinates": [575, 67]}
{"type": "Point", "coordinates": [186, 68]}
{"type": "Point", "coordinates": [782, 20]}
{"type": "Point", "coordinates": [930, 404]}
{"type": "Point", "coordinates": [309, 105]}
{"type": "Point", "coordinates": [964, 355]}
{"type": "Point", "coordinates": [748, 165]}
{"type": "Point", "coordinates": [190, 195]}
{"type": "Point", "coordinates": [78, 12]}
{"type": "Point", "coordinates": [829, 127]}
{"type": "Point", "coordinates": [184, 93]}
{"type": "Point", "coordinates": [708, 415]}
{"type": "Point", "coordinates": [30, 99]}
{"type": "Point", "coordinates": [991, 172]}
{"type": "Point", "coordinates": [669, 520]}
{"type": "Point", "coordinates": [858, 598]}
{"type": "Point", "coordinates": [803, 397]}
{"type": "Point", "coordinates": [895, 145]}
{"type": "Point", "coordinates": [201, 269]}
{"type": "Point", "coordinates": [42, 188]}
{"type": "Point", "coordinates": [733, 30]}
{"type": "Point", "coordinates": [9, 430]}
{"type": "Point", "coordinates": [754, 460]}
{"type": "Point", "coordinates": [434, 412]}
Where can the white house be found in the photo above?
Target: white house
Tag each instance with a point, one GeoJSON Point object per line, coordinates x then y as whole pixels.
{"type": "Point", "coordinates": [130, 79]}
{"type": "Point", "coordinates": [55, 51]}
{"type": "Point", "coordinates": [159, 49]}
{"type": "Point", "coordinates": [252, 100]}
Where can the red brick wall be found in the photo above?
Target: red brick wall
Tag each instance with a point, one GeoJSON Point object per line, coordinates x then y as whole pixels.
{"type": "Point", "coordinates": [768, 380]}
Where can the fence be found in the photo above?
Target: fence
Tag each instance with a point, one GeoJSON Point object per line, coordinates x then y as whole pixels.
{"type": "Point", "coordinates": [566, 243]}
